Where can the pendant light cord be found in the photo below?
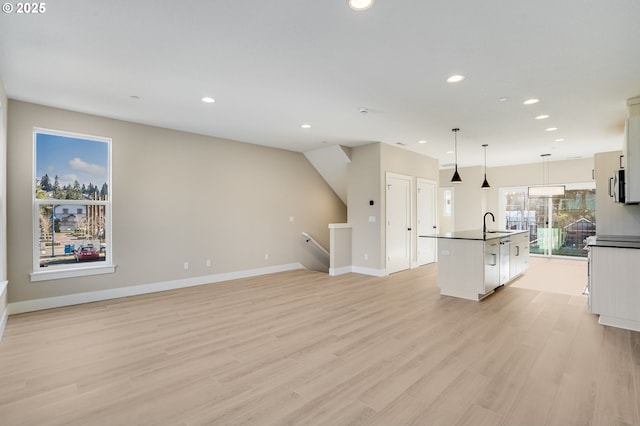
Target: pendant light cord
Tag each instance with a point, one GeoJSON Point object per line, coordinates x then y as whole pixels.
{"type": "Point", "coordinates": [455, 144]}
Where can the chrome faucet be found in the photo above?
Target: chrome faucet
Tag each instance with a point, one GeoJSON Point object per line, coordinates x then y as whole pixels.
{"type": "Point", "coordinates": [484, 221]}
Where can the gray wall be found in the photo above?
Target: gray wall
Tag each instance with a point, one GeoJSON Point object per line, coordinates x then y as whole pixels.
{"type": "Point", "coordinates": [365, 184]}
{"type": "Point", "coordinates": [176, 197]}
{"type": "Point", "coordinates": [471, 201]}
{"type": "Point", "coordinates": [3, 192]}
{"type": "Point", "coordinates": [367, 177]}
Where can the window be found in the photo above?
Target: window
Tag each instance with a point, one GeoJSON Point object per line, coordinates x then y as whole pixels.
{"type": "Point", "coordinates": [72, 205]}
{"type": "Point", "coordinates": [557, 226]}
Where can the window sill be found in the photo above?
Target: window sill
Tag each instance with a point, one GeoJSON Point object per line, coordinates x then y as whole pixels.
{"type": "Point", "coordinates": [84, 271]}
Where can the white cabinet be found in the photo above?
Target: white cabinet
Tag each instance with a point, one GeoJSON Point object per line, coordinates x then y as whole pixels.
{"type": "Point", "coordinates": [461, 268]}
{"type": "Point", "coordinates": [613, 218]}
{"type": "Point", "coordinates": [471, 268]}
{"type": "Point", "coordinates": [518, 255]}
{"type": "Point", "coordinates": [614, 291]}
{"type": "Point", "coordinates": [491, 265]}
{"type": "Point", "coordinates": [631, 152]}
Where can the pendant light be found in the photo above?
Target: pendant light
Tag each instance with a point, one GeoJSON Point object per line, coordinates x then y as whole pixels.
{"type": "Point", "coordinates": [456, 176]}
{"type": "Point", "coordinates": [546, 190]}
{"type": "Point", "coordinates": [485, 184]}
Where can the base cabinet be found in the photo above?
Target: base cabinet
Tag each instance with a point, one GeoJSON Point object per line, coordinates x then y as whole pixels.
{"type": "Point", "coordinates": [614, 292]}
{"type": "Point", "coordinates": [518, 255]}
{"type": "Point", "coordinates": [473, 269]}
{"type": "Point", "coordinates": [491, 266]}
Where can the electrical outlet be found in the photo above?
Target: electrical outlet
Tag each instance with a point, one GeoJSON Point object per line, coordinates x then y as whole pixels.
{"type": "Point", "coordinates": [266, 256]}
{"type": "Point", "coordinates": [186, 265]}
{"type": "Point", "coordinates": [366, 256]}
{"type": "Point", "coordinates": [292, 219]}
{"type": "Point", "coordinates": [208, 263]}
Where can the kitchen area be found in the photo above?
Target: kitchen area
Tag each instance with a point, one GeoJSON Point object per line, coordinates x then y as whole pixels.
{"type": "Point", "coordinates": [483, 256]}
{"type": "Point", "coordinates": [614, 253]}
{"type": "Point", "coordinates": [474, 264]}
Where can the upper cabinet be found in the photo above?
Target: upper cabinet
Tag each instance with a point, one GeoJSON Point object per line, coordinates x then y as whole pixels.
{"type": "Point", "coordinates": [631, 152]}
{"type": "Point", "coordinates": [613, 219]}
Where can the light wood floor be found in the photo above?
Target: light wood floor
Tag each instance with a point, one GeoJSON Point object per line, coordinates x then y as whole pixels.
{"type": "Point", "coordinates": [569, 275]}
{"type": "Point", "coordinates": [304, 348]}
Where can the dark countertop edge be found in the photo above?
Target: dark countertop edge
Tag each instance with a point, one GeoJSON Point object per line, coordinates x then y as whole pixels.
{"type": "Point", "coordinates": [616, 244]}
{"type": "Point", "coordinates": [480, 237]}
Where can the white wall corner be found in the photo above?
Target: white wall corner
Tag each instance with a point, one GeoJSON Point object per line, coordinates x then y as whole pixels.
{"type": "Point", "coordinates": [340, 271]}
{"type": "Point", "coordinates": [4, 316]}
{"type": "Point", "coordinates": [3, 321]}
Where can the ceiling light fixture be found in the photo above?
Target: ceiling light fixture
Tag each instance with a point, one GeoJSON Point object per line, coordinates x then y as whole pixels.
{"type": "Point", "coordinates": [422, 142]}
{"type": "Point", "coordinates": [542, 117]}
{"type": "Point", "coordinates": [456, 176]}
{"type": "Point", "coordinates": [485, 184]}
{"type": "Point", "coordinates": [551, 129]}
{"type": "Point", "coordinates": [208, 100]}
{"type": "Point", "coordinates": [360, 5]}
{"type": "Point", "coordinates": [531, 101]}
{"type": "Point", "coordinates": [455, 78]}
{"type": "Point", "coordinates": [503, 99]}
{"type": "Point", "coordinates": [559, 140]}
{"type": "Point", "coordinates": [546, 190]}
{"type": "Point", "coordinates": [306, 126]}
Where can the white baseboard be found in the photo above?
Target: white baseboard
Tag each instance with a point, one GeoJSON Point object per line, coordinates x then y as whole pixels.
{"type": "Point", "coordinates": [628, 324]}
{"type": "Point", "coordinates": [95, 296]}
{"type": "Point", "coordinates": [339, 271]}
{"type": "Point", "coordinates": [358, 270]}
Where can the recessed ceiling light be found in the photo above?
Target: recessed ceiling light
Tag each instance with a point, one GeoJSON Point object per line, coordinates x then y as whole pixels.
{"type": "Point", "coordinates": [551, 129]}
{"type": "Point", "coordinates": [208, 100]}
{"type": "Point", "coordinates": [542, 117]}
{"type": "Point", "coordinates": [422, 142]}
{"type": "Point", "coordinates": [559, 140]}
{"type": "Point", "coordinates": [449, 152]}
{"type": "Point", "coordinates": [503, 99]}
{"type": "Point", "coordinates": [306, 126]}
{"type": "Point", "coordinates": [531, 101]}
{"type": "Point", "coordinates": [360, 4]}
{"type": "Point", "coordinates": [455, 78]}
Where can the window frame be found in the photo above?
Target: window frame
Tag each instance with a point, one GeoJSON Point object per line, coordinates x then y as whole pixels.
{"type": "Point", "coordinates": [79, 269]}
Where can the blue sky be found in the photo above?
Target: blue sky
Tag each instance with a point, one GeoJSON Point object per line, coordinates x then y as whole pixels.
{"type": "Point", "coordinates": [71, 159]}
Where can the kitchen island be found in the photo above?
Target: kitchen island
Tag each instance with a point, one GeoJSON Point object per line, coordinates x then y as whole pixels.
{"type": "Point", "coordinates": [472, 264]}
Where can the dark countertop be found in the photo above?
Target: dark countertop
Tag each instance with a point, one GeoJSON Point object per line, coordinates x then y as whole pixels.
{"type": "Point", "coordinates": [475, 234]}
{"type": "Point", "coordinates": [612, 242]}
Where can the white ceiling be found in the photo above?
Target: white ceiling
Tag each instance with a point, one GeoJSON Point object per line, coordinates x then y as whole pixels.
{"type": "Point", "coordinates": [273, 65]}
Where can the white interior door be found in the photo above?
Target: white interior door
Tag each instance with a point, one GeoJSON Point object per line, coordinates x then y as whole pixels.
{"type": "Point", "coordinates": [426, 221]}
{"type": "Point", "coordinates": [398, 211]}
